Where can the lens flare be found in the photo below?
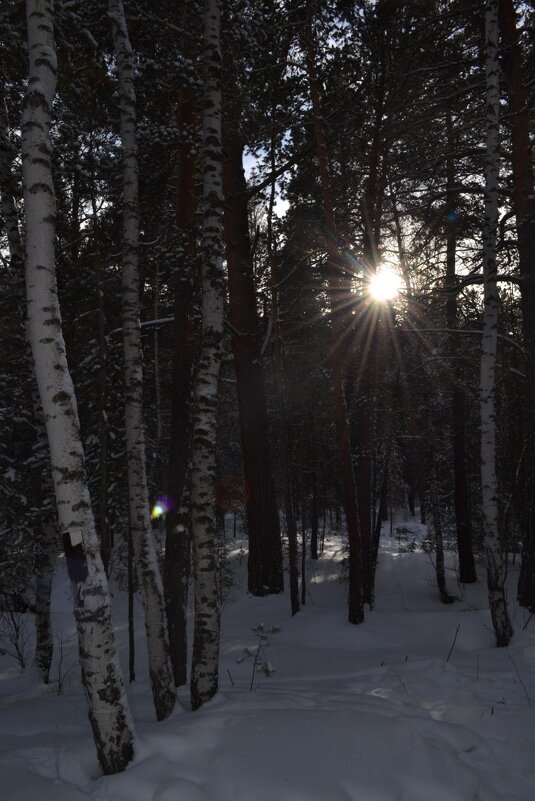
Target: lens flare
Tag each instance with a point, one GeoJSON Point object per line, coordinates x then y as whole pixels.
{"type": "Point", "coordinates": [162, 506]}
{"type": "Point", "coordinates": [385, 284]}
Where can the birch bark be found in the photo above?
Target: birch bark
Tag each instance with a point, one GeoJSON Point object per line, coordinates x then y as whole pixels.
{"type": "Point", "coordinates": [150, 581]}
{"type": "Point", "coordinates": [101, 674]}
{"type": "Point", "coordinates": [496, 566]}
{"type": "Point", "coordinates": [204, 671]}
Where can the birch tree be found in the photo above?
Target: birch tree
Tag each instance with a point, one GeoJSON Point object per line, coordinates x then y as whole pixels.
{"type": "Point", "coordinates": [150, 581]}
{"type": "Point", "coordinates": [496, 566]}
{"type": "Point", "coordinates": [101, 674]}
{"type": "Point", "coordinates": [204, 671]}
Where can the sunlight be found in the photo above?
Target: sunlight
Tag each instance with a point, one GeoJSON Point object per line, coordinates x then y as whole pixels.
{"type": "Point", "coordinates": [385, 284]}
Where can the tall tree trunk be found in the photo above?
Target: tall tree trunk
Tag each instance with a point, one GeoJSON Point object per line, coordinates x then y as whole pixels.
{"type": "Point", "coordinates": [496, 566]}
{"type": "Point", "coordinates": [150, 582]}
{"type": "Point", "coordinates": [336, 289]}
{"type": "Point", "coordinates": [101, 673]}
{"type": "Point", "coordinates": [282, 418]}
{"type": "Point", "coordinates": [178, 519]}
{"type": "Point", "coordinates": [265, 572]}
{"type": "Point", "coordinates": [390, 405]}
{"type": "Point", "coordinates": [467, 567]}
{"type": "Point", "coordinates": [314, 518]}
{"type": "Point", "coordinates": [524, 209]}
{"type": "Point", "coordinates": [205, 664]}
{"type": "Point", "coordinates": [366, 355]}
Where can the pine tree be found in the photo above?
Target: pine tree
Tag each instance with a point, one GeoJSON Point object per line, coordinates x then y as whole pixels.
{"type": "Point", "coordinates": [496, 567]}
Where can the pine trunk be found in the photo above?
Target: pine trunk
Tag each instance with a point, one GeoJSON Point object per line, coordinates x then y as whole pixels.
{"type": "Point", "coordinates": [336, 289]}
{"type": "Point", "coordinates": [150, 582]}
{"type": "Point", "coordinates": [524, 209]}
{"type": "Point", "coordinates": [101, 673]}
{"type": "Point", "coordinates": [178, 520]}
{"type": "Point", "coordinates": [205, 664]}
{"type": "Point", "coordinates": [280, 389]}
{"type": "Point", "coordinates": [434, 502]}
{"type": "Point", "coordinates": [467, 567]}
{"type": "Point", "coordinates": [265, 573]}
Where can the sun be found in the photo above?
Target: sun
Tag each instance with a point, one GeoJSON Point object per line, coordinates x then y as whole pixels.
{"type": "Point", "coordinates": [384, 284]}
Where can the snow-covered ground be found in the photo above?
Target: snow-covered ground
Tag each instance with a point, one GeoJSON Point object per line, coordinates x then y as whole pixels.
{"type": "Point", "coordinates": [375, 712]}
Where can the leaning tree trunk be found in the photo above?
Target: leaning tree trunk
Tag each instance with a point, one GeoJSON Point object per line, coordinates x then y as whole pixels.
{"type": "Point", "coordinates": [150, 581]}
{"type": "Point", "coordinates": [101, 673]}
{"type": "Point", "coordinates": [524, 209]}
{"type": "Point", "coordinates": [336, 286]}
{"type": "Point", "coordinates": [205, 664]}
{"type": "Point", "coordinates": [496, 566]}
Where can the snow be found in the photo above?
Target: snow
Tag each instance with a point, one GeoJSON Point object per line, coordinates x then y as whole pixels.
{"type": "Point", "coordinates": [374, 712]}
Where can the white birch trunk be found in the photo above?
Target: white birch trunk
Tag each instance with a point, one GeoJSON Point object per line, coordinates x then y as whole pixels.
{"type": "Point", "coordinates": [101, 673]}
{"type": "Point", "coordinates": [496, 566]}
{"type": "Point", "coordinates": [204, 670]}
{"type": "Point", "coordinates": [150, 581]}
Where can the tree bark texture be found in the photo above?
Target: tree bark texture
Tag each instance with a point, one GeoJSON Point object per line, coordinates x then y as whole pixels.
{"type": "Point", "coordinates": [205, 664]}
{"type": "Point", "coordinates": [101, 674]}
{"type": "Point", "coordinates": [496, 566]}
{"type": "Point", "coordinates": [150, 582]}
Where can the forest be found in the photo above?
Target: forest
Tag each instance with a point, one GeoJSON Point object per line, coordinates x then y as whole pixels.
{"type": "Point", "coordinates": [267, 320]}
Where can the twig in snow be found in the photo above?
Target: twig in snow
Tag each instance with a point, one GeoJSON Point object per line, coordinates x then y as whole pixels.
{"type": "Point", "coordinates": [520, 679]}
{"type": "Point", "coordinates": [398, 677]}
{"type": "Point", "coordinates": [230, 677]}
{"type": "Point", "coordinates": [254, 664]}
{"type": "Point", "coordinates": [524, 627]}
{"type": "Point", "coordinates": [453, 643]}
